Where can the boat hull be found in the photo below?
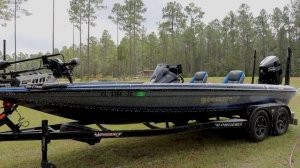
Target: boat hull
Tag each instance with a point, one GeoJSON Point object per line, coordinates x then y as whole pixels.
{"type": "Point", "coordinates": [132, 103]}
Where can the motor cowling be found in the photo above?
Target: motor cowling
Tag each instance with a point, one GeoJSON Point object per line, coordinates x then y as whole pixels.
{"type": "Point", "coordinates": [167, 74]}
{"type": "Point", "coordinates": [270, 71]}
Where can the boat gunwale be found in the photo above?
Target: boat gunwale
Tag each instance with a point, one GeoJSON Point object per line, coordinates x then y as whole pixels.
{"type": "Point", "coordinates": [153, 87]}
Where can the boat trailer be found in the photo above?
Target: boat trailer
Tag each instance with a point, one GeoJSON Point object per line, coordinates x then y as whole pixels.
{"type": "Point", "coordinates": [46, 133]}
{"type": "Point", "coordinates": [258, 124]}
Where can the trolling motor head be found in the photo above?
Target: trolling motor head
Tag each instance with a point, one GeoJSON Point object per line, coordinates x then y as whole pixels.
{"type": "Point", "coordinates": [270, 71]}
{"type": "Point", "coordinates": [60, 68]}
{"type": "Point", "coordinates": [4, 64]}
{"type": "Point", "coordinates": [167, 74]}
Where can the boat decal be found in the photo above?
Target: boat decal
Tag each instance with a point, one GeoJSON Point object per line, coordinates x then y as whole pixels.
{"type": "Point", "coordinates": [207, 100]}
{"type": "Point", "coordinates": [140, 93]}
{"type": "Point", "coordinates": [130, 93]}
{"type": "Point", "coordinates": [233, 124]}
{"type": "Point", "coordinates": [108, 134]}
{"type": "Point", "coordinates": [110, 93]}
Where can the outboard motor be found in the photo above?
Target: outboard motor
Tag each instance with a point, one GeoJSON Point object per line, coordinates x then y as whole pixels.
{"type": "Point", "coordinates": [270, 71]}
{"type": "Point", "coordinates": [167, 74]}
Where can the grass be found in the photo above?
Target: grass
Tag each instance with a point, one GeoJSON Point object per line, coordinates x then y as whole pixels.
{"type": "Point", "coordinates": [220, 149]}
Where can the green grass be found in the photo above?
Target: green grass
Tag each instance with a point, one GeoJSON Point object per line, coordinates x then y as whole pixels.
{"type": "Point", "coordinates": [189, 149]}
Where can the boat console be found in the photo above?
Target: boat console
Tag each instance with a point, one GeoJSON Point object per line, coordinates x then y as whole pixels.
{"type": "Point", "coordinates": [167, 74]}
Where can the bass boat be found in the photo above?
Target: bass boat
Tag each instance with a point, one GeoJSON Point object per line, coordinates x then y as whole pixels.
{"type": "Point", "coordinates": [164, 99]}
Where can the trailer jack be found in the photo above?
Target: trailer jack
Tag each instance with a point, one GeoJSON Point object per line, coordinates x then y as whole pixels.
{"type": "Point", "coordinates": [45, 141]}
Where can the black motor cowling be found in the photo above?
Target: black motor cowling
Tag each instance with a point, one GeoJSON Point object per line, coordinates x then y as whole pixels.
{"type": "Point", "coordinates": [167, 74]}
{"type": "Point", "coordinates": [270, 71]}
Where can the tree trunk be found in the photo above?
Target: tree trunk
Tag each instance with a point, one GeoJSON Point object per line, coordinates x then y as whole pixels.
{"type": "Point", "coordinates": [130, 54]}
{"type": "Point", "coordinates": [73, 42]}
{"type": "Point", "coordinates": [80, 54]}
{"type": "Point", "coordinates": [134, 38]}
{"type": "Point", "coordinates": [88, 42]}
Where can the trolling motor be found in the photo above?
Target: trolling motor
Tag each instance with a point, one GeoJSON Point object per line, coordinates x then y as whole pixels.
{"type": "Point", "coordinates": [167, 74]}
{"type": "Point", "coordinates": [58, 67]}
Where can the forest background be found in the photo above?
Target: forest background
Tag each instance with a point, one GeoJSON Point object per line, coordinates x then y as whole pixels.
{"type": "Point", "coordinates": [182, 38]}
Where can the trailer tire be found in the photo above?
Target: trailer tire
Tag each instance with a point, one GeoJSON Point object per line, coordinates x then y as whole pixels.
{"type": "Point", "coordinates": [281, 120]}
{"type": "Point", "coordinates": [259, 126]}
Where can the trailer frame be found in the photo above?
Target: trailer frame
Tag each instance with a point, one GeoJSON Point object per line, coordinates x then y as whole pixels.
{"type": "Point", "coordinates": [77, 131]}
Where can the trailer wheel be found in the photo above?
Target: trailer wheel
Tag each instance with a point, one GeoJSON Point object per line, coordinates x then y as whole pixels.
{"type": "Point", "coordinates": [281, 121]}
{"type": "Point", "coordinates": [259, 125]}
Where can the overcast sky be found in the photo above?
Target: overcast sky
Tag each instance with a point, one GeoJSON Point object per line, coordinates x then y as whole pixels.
{"type": "Point", "coordinates": [34, 33]}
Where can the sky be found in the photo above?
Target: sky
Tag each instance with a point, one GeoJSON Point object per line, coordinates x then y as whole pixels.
{"type": "Point", "coordinates": [34, 32]}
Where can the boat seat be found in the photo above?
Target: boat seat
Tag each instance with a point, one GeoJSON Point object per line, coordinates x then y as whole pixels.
{"type": "Point", "coordinates": [199, 77]}
{"type": "Point", "coordinates": [235, 76]}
